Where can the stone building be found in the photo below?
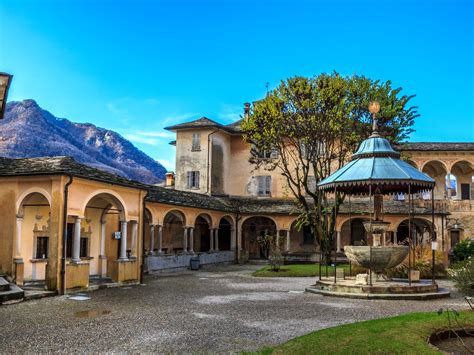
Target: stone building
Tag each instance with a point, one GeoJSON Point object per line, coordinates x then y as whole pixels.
{"type": "Point", "coordinates": [73, 226]}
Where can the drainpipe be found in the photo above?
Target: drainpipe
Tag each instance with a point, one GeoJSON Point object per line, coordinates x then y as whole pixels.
{"type": "Point", "coordinates": [142, 264]}
{"type": "Point", "coordinates": [63, 258]}
{"type": "Point", "coordinates": [208, 187]}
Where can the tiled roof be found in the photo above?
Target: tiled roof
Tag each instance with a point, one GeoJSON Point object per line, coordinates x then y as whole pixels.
{"type": "Point", "coordinates": [436, 146]}
{"type": "Point", "coordinates": [61, 166]}
{"type": "Point", "coordinates": [191, 199]}
{"type": "Point", "coordinates": [204, 122]}
{"type": "Point", "coordinates": [245, 205]}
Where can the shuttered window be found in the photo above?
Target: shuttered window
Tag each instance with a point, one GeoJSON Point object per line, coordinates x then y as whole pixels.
{"type": "Point", "coordinates": [264, 185]}
{"type": "Point", "coordinates": [196, 144]}
{"type": "Point", "coordinates": [193, 180]}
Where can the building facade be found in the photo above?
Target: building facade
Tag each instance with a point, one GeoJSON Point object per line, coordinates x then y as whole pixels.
{"type": "Point", "coordinates": [72, 226]}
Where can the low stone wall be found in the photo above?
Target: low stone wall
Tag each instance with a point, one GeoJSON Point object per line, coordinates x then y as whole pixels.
{"type": "Point", "coordinates": [181, 261]}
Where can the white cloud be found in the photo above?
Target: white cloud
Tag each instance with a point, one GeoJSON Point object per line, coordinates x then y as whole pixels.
{"type": "Point", "coordinates": [155, 134]}
{"type": "Point", "coordinates": [168, 164]}
{"type": "Point", "coordinates": [140, 139]}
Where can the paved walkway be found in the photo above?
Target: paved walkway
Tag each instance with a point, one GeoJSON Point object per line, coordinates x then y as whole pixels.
{"type": "Point", "coordinates": [220, 309]}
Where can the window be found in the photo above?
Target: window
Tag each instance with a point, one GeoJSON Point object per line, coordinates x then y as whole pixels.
{"type": "Point", "coordinates": [41, 247]}
{"type": "Point", "coordinates": [196, 144]}
{"type": "Point", "coordinates": [193, 180]}
{"type": "Point", "coordinates": [266, 153]}
{"type": "Point", "coordinates": [307, 150]}
{"type": "Point", "coordinates": [264, 184]}
{"type": "Point", "coordinates": [69, 236]}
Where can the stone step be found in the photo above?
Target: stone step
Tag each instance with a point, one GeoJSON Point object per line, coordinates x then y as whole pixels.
{"type": "Point", "coordinates": [4, 285]}
{"type": "Point", "coordinates": [13, 293]}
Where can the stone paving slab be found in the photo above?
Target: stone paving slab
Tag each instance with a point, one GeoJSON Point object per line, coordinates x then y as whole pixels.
{"type": "Point", "coordinates": [219, 309]}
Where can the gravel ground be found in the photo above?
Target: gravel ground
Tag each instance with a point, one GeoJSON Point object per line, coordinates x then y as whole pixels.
{"type": "Point", "coordinates": [220, 309]}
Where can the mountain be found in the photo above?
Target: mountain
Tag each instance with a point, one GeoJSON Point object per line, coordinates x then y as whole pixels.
{"type": "Point", "coordinates": [28, 131]}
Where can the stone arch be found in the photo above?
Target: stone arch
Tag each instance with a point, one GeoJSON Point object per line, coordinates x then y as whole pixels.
{"type": "Point", "coordinates": [464, 173]}
{"type": "Point", "coordinates": [253, 228]}
{"type": "Point", "coordinates": [174, 222]}
{"type": "Point", "coordinates": [303, 240]}
{"type": "Point", "coordinates": [420, 225]}
{"type": "Point", "coordinates": [202, 233]}
{"type": "Point", "coordinates": [110, 196]}
{"type": "Point", "coordinates": [28, 192]}
{"type": "Point", "coordinates": [32, 232]}
{"type": "Point", "coordinates": [438, 170]}
{"type": "Point", "coordinates": [226, 227]}
{"type": "Point", "coordinates": [435, 164]}
{"type": "Point", "coordinates": [207, 217]}
{"type": "Point", "coordinates": [353, 232]}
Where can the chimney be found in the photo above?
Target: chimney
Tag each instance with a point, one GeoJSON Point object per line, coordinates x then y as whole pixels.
{"type": "Point", "coordinates": [246, 110]}
{"type": "Point", "coordinates": [169, 179]}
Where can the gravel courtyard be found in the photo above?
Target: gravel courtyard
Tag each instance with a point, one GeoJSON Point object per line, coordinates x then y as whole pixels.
{"type": "Point", "coordinates": [220, 309]}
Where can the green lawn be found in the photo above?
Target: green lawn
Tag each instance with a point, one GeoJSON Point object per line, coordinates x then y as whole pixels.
{"type": "Point", "coordinates": [405, 334]}
{"type": "Point", "coordinates": [299, 270]}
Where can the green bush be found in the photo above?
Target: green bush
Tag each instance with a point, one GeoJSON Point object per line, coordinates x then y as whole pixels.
{"type": "Point", "coordinates": [463, 250]}
{"type": "Point", "coordinates": [462, 274]}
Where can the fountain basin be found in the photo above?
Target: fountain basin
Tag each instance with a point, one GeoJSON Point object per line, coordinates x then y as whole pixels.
{"type": "Point", "coordinates": [376, 258]}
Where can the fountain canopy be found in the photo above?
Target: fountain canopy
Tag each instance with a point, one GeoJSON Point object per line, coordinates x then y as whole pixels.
{"type": "Point", "coordinates": [376, 164]}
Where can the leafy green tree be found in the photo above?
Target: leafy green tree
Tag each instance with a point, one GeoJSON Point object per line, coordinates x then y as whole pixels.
{"type": "Point", "coordinates": [311, 126]}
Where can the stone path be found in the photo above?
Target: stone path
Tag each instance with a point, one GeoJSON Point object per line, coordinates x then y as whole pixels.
{"type": "Point", "coordinates": [220, 309]}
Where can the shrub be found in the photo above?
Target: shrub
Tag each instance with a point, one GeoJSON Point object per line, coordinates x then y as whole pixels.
{"type": "Point", "coordinates": [462, 274]}
{"type": "Point", "coordinates": [463, 250]}
{"type": "Point", "coordinates": [423, 256]}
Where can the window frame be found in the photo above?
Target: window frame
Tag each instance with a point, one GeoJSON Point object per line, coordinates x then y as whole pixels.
{"type": "Point", "coordinates": [266, 184]}
{"type": "Point", "coordinates": [196, 142]}
{"type": "Point", "coordinates": [193, 178]}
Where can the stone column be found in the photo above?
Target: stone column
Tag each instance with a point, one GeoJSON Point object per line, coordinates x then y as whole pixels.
{"type": "Point", "coordinates": [287, 247]}
{"type": "Point", "coordinates": [19, 224]}
{"type": "Point", "coordinates": [277, 240]}
{"type": "Point", "coordinates": [152, 239]}
{"type": "Point", "coordinates": [76, 247]}
{"type": "Point", "coordinates": [160, 239]}
{"type": "Point", "coordinates": [133, 247]}
{"type": "Point", "coordinates": [185, 240]}
{"type": "Point", "coordinates": [233, 239]}
{"type": "Point", "coordinates": [191, 240]}
{"type": "Point", "coordinates": [102, 257]}
{"type": "Point", "coordinates": [102, 238]}
{"type": "Point", "coordinates": [395, 238]}
{"type": "Point", "coordinates": [216, 236]}
{"type": "Point", "coordinates": [211, 237]}
{"type": "Point", "coordinates": [338, 241]}
{"type": "Point", "coordinates": [123, 242]}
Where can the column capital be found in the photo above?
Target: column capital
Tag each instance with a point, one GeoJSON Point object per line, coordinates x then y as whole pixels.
{"type": "Point", "coordinates": [77, 219]}
{"type": "Point", "coordinates": [19, 217]}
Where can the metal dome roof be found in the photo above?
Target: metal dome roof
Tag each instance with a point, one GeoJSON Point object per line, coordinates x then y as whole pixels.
{"type": "Point", "coordinates": [375, 146]}
{"type": "Point", "coordinates": [376, 165]}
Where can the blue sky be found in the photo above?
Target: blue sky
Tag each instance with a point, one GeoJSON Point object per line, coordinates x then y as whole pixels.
{"type": "Point", "coordinates": [137, 66]}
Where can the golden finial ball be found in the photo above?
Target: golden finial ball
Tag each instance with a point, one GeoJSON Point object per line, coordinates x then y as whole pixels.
{"type": "Point", "coordinates": [374, 107]}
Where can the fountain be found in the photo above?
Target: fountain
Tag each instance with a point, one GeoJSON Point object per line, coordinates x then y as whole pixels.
{"type": "Point", "coordinates": [376, 170]}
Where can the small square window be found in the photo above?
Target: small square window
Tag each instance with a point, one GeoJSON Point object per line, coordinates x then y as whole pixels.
{"type": "Point", "coordinates": [193, 180]}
